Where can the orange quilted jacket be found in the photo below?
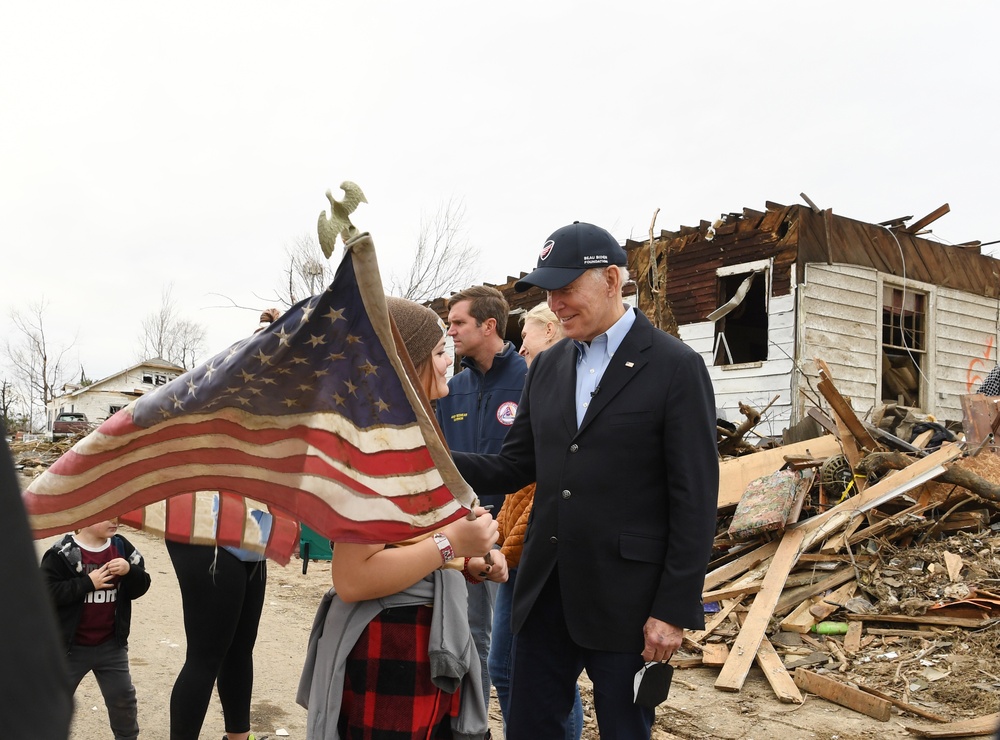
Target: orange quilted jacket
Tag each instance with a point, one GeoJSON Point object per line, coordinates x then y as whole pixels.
{"type": "Point", "coordinates": [513, 522]}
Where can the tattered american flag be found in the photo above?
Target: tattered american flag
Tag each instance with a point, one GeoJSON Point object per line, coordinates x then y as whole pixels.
{"type": "Point", "coordinates": [318, 417]}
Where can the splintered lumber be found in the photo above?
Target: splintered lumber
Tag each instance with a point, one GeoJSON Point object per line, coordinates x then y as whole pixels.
{"type": "Point", "coordinates": [714, 654]}
{"type": "Point", "coordinates": [714, 622]}
{"type": "Point", "coordinates": [833, 601]}
{"type": "Point", "coordinates": [965, 728]}
{"type": "Point", "coordinates": [741, 565]}
{"type": "Point", "coordinates": [852, 640]}
{"type": "Point", "coordinates": [793, 596]}
{"type": "Point", "coordinates": [846, 696]}
{"type": "Point", "coordinates": [922, 619]}
{"type": "Point", "coordinates": [728, 593]}
{"type": "Point", "coordinates": [959, 476]}
{"type": "Point", "coordinates": [843, 411]}
{"type": "Point", "coordinates": [906, 707]}
{"type": "Point", "coordinates": [822, 526]}
{"type": "Point", "coordinates": [734, 672]}
{"type": "Point", "coordinates": [800, 620]}
{"type": "Point", "coordinates": [774, 671]}
{"type": "Point", "coordinates": [736, 474]}
{"type": "Point", "coordinates": [800, 537]}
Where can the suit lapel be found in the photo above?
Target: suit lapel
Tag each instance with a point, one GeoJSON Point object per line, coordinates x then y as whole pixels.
{"type": "Point", "coordinates": [624, 366]}
{"type": "Point", "coordinates": [564, 393]}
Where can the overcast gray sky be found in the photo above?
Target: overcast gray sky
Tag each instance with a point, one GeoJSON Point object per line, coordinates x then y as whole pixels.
{"type": "Point", "coordinates": [145, 144]}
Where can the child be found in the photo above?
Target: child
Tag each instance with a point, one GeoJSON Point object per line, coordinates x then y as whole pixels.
{"type": "Point", "coordinates": [93, 576]}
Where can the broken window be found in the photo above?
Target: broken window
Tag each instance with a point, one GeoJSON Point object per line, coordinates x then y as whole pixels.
{"type": "Point", "coordinates": [112, 410]}
{"type": "Point", "coordinates": [904, 344]}
{"type": "Point", "coordinates": [161, 380]}
{"type": "Point", "coordinates": [741, 319]}
{"type": "Point", "coordinates": [147, 378]}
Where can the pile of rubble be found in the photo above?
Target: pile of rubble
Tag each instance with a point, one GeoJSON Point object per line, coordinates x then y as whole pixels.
{"type": "Point", "coordinates": [855, 566]}
{"type": "Point", "coordinates": [866, 572]}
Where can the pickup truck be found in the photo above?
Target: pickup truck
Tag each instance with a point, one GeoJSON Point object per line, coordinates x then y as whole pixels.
{"type": "Point", "coordinates": [69, 424]}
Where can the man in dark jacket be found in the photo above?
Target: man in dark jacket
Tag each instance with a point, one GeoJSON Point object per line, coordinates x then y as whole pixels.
{"type": "Point", "coordinates": [617, 425]}
{"type": "Point", "coordinates": [477, 412]}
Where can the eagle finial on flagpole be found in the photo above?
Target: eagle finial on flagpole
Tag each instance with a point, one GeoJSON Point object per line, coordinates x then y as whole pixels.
{"type": "Point", "coordinates": [339, 221]}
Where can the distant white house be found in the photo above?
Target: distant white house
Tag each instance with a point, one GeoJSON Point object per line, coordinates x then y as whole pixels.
{"type": "Point", "coordinates": [101, 399]}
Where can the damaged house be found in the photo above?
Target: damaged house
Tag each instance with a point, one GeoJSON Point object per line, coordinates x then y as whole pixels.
{"type": "Point", "coordinates": [898, 317]}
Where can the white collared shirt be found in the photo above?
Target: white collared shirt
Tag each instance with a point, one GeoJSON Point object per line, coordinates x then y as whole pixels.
{"type": "Point", "coordinates": [593, 359]}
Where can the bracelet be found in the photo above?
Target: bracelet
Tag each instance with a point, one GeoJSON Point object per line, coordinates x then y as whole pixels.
{"type": "Point", "coordinates": [444, 546]}
{"type": "Point", "coordinates": [467, 574]}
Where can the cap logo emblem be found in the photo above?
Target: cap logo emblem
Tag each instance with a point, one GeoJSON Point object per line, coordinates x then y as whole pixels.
{"type": "Point", "coordinates": [506, 413]}
{"type": "Point", "coordinates": [546, 249]}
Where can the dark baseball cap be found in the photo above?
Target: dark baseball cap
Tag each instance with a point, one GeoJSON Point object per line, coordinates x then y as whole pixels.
{"type": "Point", "coordinates": [570, 252]}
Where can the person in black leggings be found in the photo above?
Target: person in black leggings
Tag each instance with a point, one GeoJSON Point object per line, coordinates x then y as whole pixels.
{"type": "Point", "coordinates": [222, 600]}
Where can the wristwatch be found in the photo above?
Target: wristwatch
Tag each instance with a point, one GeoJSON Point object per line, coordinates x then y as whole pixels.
{"type": "Point", "coordinates": [444, 545]}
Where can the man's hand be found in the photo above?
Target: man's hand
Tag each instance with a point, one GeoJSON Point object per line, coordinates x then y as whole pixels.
{"type": "Point", "coordinates": [661, 639]}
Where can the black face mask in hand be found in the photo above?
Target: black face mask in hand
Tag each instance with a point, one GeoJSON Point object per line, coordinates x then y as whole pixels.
{"type": "Point", "coordinates": [652, 684]}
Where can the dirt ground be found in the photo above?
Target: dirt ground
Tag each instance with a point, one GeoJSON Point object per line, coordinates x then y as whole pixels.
{"type": "Point", "coordinates": [695, 708]}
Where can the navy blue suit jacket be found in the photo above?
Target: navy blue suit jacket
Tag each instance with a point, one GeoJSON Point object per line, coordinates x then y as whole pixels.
{"type": "Point", "coordinates": [625, 505]}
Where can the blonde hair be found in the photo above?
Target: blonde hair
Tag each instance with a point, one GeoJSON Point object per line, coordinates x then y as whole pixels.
{"type": "Point", "coordinates": [542, 314]}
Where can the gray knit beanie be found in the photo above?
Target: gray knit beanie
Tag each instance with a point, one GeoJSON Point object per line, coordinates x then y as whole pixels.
{"type": "Point", "coordinates": [419, 326]}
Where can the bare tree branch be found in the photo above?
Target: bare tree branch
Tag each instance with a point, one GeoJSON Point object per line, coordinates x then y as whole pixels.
{"type": "Point", "coordinates": [40, 369]}
{"type": "Point", "coordinates": [444, 259]}
{"type": "Point", "coordinates": [166, 335]}
{"type": "Point", "coordinates": [306, 271]}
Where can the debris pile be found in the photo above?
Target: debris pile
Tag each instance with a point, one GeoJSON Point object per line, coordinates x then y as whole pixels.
{"type": "Point", "coordinates": [865, 572]}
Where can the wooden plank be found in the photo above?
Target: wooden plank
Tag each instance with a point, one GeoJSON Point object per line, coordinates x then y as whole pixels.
{"type": "Point", "coordinates": [728, 593]}
{"type": "Point", "coordinates": [800, 619]}
{"type": "Point", "coordinates": [821, 526]}
{"type": "Point", "coordinates": [712, 624]}
{"type": "Point", "coordinates": [846, 696]}
{"type": "Point", "coordinates": [852, 640]}
{"type": "Point", "coordinates": [797, 539]}
{"type": "Point", "coordinates": [921, 440]}
{"type": "Point", "coordinates": [714, 654]}
{"type": "Point", "coordinates": [965, 728]}
{"type": "Point", "coordinates": [922, 619]}
{"type": "Point", "coordinates": [734, 673]}
{"type": "Point", "coordinates": [843, 409]}
{"type": "Point", "coordinates": [911, 708]}
{"type": "Point", "coordinates": [848, 442]}
{"type": "Point", "coordinates": [736, 474]}
{"type": "Point", "coordinates": [774, 671]}
{"type": "Point", "coordinates": [792, 597]}
{"type": "Point", "coordinates": [741, 565]}
{"type": "Point", "coordinates": [833, 601]}
{"type": "Point", "coordinates": [928, 219]}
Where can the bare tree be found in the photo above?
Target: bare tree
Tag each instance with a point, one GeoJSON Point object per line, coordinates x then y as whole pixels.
{"type": "Point", "coordinates": [40, 368]}
{"type": "Point", "coordinates": [444, 260]}
{"type": "Point", "coordinates": [166, 335]}
{"type": "Point", "coordinates": [306, 271]}
{"type": "Point", "coordinates": [10, 402]}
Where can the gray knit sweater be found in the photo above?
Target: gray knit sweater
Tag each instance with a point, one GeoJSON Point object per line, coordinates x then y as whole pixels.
{"type": "Point", "coordinates": [453, 657]}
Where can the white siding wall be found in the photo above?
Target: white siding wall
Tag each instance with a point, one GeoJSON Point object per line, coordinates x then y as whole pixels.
{"type": "Point", "coordinates": [753, 383]}
{"type": "Point", "coordinates": [841, 306]}
{"type": "Point", "coordinates": [841, 312]}
{"type": "Point", "coordinates": [966, 347]}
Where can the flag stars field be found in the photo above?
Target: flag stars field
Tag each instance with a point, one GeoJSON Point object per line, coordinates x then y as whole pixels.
{"type": "Point", "coordinates": [314, 414]}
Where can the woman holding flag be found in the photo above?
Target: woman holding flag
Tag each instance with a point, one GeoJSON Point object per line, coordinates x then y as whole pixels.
{"type": "Point", "coordinates": [391, 654]}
